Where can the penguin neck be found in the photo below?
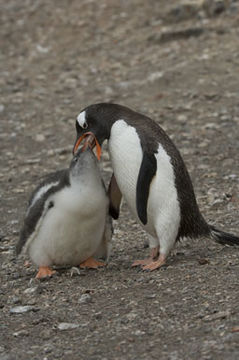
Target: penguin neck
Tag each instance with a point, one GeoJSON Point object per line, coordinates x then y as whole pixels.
{"type": "Point", "coordinates": [87, 173]}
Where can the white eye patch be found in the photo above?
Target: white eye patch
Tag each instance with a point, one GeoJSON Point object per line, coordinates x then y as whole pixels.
{"type": "Point", "coordinates": [82, 120]}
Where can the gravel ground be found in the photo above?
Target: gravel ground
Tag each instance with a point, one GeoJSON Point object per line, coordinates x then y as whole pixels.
{"type": "Point", "coordinates": [176, 62]}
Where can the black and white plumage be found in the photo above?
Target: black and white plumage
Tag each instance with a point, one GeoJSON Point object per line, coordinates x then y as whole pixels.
{"type": "Point", "coordinates": [67, 218]}
{"type": "Point", "coordinates": [150, 174]}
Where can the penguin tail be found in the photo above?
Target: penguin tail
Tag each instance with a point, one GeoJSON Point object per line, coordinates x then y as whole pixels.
{"type": "Point", "coordinates": [223, 238]}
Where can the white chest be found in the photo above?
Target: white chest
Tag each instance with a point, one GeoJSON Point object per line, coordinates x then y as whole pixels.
{"type": "Point", "coordinates": [73, 228]}
{"type": "Point", "coordinates": [126, 157]}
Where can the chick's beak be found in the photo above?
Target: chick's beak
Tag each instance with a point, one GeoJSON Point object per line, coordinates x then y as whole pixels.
{"type": "Point", "coordinates": [91, 141]}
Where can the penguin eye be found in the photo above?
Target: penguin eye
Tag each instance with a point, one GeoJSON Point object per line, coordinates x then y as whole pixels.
{"type": "Point", "coordinates": [85, 125]}
{"type": "Point", "coordinates": [50, 205]}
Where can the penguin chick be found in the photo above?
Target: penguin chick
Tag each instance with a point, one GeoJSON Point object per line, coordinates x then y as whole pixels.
{"type": "Point", "coordinates": [149, 172]}
{"type": "Point", "coordinates": [67, 219]}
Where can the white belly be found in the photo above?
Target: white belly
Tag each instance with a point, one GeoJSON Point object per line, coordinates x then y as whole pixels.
{"type": "Point", "coordinates": [72, 230]}
{"type": "Point", "coordinates": [163, 208]}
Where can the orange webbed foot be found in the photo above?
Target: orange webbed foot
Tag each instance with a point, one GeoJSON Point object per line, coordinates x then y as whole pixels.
{"type": "Point", "coordinates": [142, 262]}
{"type": "Point", "coordinates": [91, 263]}
{"type": "Point", "coordinates": [153, 265]}
{"type": "Point", "coordinates": [153, 256]}
{"type": "Point", "coordinates": [44, 271]}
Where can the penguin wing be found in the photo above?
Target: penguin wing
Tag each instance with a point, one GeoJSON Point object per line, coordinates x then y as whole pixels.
{"type": "Point", "coordinates": [115, 198]}
{"type": "Point", "coordinates": [30, 223]}
{"type": "Point", "coordinates": [147, 171]}
{"type": "Point", "coordinates": [38, 205]}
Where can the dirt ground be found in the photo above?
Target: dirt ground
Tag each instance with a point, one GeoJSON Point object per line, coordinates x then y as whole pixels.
{"type": "Point", "coordinates": [177, 64]}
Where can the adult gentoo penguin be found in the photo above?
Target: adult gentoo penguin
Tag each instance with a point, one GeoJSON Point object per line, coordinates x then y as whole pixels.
{"type": "Point", "coordinates": [149, 172]}
{"type": "Point", "coordinates": [67, 221]}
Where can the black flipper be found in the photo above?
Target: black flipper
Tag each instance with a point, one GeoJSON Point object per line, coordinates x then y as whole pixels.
{"type": "Point", "coordinates": [115, 198]}
{"type": "Point", "coordinates": [30, 224]}
{"type": "Point", "coordinates": [223, 237]}
{"type": "Point", "coordinates": [147, 171]}
{"type": "Point", "coordinates": [36, 210]}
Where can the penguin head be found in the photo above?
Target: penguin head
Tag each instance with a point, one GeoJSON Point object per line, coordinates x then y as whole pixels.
{"type": "Point", "coordinates": [97, 119]}
{"type": "Point", "coordinates": [83, 159]}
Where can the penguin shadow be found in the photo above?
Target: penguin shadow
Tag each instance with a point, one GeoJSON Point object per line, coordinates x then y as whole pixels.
{"type": "Point", "coordinates": [185, 252]}
{"type": "Point", "coordinates": [29, 272]}
{"type": "Point", "coordinates": [192, 254]}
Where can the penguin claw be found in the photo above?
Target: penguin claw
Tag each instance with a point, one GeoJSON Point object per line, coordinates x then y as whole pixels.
{"type": "Point", "coordinates": [44, 271]}
{"type": "Point", "coordinates": [142, 262]}
{"type": "Point", "coordinates": [91, 263]}
{"type": "Point", "coordinates": [153, 257]}
{"type": "Point", "coordinates": [153, 265]}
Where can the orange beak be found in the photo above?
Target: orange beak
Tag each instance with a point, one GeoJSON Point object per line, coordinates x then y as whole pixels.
{"type": "Point", "coordinates": [90, 141]}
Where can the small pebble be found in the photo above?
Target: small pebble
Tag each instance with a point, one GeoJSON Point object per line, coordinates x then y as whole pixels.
{"type": "Point", "coordinates": [31, 290]}
{"type": "Point", "coordinates": [85, 298]}
{"type": "Point", "coordinates": [139, 333]}
{"type": "Point", "coordinates": [67, 326]}
{"type": "Point", "coordinates": [40, 137]}
{"type": "Point", "coordinates": [22, 309]}
{"type": "Point", "coordinates": [75, 271]}
{"type": "Point", "coordinates": [21, 333]}
{"type": "Point", "coordinates": [203, 261]}
{"type": "Point", "coordinates": [216, 316]}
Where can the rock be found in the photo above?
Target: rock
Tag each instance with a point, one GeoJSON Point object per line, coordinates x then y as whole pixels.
{"type": "Point", "coordinates": [67, 326]}
{"type": "Point", "coordinates": [75, 271]}
{"type": "Point", "coordinates": [150, 296]}
{"type": "Point", "coordinates": [203, 261]}
{"type": "Point", "coordinates": [70, 83]}
{"type": "Point", "coordinates": [182, 118]}
{"type": "Point", "coordinates": [48, 348]}
{"type": "Point", "coordinates": [2, 107]}
{"type": "Point", "coordinates": [211, 126]}
{"type": "Point", "coordinates": [139, 333]}
{"type": "Point", "coordinates": [41, 49]}
{"type": "Point", "coordinates": [31, 290]}
{"type": "Point", "coordinates": [40, 137]}
{"type": "Point", "coordinates": [22, 309]}
{"type": "Point", "coordinates": [32, 161]}
{"type": "Point", "coordinates": [216, 316]}
{"type": "Point", "coordinates": [85, 298]}
{"type": "Point", "coordinates": [98, 315]}
{"type": "Point", "coordinates": [176, 34]}
{"type": "Point", "coordinates": [21, 333]}
{"type": "Point", "coordinates": [131, 316]}
{"type": "Point", "coordinates": [155, 76]}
